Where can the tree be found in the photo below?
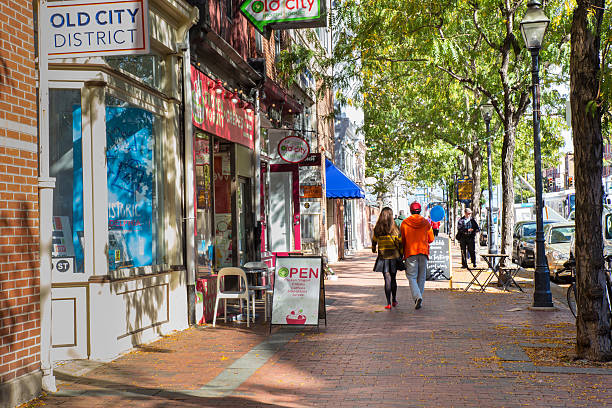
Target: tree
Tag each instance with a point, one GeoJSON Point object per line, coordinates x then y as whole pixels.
{"type": "Point", "coordinates": [593, 322]}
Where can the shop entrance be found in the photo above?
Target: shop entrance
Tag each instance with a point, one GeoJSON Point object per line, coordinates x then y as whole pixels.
{"type": "Point", "coordinates": [285, 232]}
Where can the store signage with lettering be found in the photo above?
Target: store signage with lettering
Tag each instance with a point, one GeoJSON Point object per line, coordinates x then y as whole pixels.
{"type": "Point", "coordinates": [284, 14]}
{"type": "Point", "coordinates": [464, 189]}
{"type": "Point", "coordinates": [297, 286]}
{"type": "Point", "coordinates": [293, 149]}
{"type": "Point", "coordinates": [87, 28]}
{"type": "Point", "coordinates": [311, 191]}
{"type": "Point", "coordinates": [216, 114]}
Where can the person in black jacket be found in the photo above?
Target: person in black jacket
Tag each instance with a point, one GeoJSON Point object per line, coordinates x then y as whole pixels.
{"type": "Point", "coordinates": [467, 227]}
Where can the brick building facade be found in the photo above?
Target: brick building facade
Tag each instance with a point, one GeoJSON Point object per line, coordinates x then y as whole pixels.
{"type": "Point", "coordinates": [19, 248]}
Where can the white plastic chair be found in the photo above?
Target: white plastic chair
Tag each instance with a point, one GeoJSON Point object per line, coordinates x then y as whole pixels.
{"type": "Point", "coordinates": [243, 293]}
{"type": "Point", "coordinates": [265, 289]}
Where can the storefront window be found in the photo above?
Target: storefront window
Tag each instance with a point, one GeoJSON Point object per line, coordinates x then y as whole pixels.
{"type": "Point", "coordinates": [67, 168]}
{"type": "Point", "coordinates": [223, 208]}
{"type": "Point", "coordinates": [204, 242]}
{"type": "Point", "coordinates": [134, 174]}
{"type": "Point", "coordinates": [147, 68]}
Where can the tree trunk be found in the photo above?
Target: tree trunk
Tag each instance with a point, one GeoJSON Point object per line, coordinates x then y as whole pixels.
{"type": "Point", "coordinates": [593, 324]}
{"type": "Point", "coordinates": [507, 188]}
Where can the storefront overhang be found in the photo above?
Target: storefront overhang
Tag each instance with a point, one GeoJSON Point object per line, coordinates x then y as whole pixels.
{"type": "Point", "coordinates": [276, 95]}
{"type": "Point", "coordinates": [338, 185]}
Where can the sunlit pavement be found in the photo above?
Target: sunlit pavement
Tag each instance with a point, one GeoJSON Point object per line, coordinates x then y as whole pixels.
{"type": "Point", "coordinates": [450, 353]}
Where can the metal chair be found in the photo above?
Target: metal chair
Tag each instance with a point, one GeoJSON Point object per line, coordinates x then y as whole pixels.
{"type": "Point", "coordinates": [259, 268]}
{"type": "Point", "coordinates": [243, 293]}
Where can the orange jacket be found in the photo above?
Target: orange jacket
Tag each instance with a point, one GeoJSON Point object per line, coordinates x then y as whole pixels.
{"type": "Point", "coordinates": [416, 235]}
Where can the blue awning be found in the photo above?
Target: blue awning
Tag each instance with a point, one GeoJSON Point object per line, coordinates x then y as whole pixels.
{"type": "Point", "coordinates": [338, 185]}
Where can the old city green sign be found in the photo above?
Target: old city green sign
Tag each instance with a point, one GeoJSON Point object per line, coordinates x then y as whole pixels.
{"type": "Point", "coordinates": [283, 14]}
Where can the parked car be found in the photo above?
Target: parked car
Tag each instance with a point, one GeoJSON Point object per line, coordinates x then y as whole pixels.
{"type": "Point", "coordinates": [606, 222]}
{"type": "Point", "coordinates": [523, 245]}
{"type": "Point", "coordinates": [557, 242]}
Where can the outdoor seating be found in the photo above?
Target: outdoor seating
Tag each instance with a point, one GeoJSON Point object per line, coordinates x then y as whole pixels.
{"type": "Point", "coordinates": [260, 282]}
{"type": "Point", "coordinates": [242, 293]}
{"type": "Point", "coordinates": [475, 272]}
{"type": "Point", "coordinates": [508, 274]}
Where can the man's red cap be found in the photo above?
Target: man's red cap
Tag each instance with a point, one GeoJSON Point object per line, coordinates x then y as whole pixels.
{"type": "Point", "coordinates": [415, 206]}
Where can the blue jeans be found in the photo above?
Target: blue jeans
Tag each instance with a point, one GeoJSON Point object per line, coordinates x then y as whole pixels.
{"type": "Point", "coordinates": [416, 272]}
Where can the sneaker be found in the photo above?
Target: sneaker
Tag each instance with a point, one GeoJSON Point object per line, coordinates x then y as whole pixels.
{"type": "Point", "coordinates": [388, 307]}
{"type": "Point", "coordinates": [417, 304]}
{"type": "Point", "coordinates": [395, 303]}
{"type": "Point", "coordinates": [464, 266]}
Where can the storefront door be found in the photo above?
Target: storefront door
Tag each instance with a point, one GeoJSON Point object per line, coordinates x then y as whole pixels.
{"type": "Point", "coordinates": [244, 220]}
{"type": "Point", "coordinates": [285, 232]}
{"type": "Point", "coordinates": [69, 278]}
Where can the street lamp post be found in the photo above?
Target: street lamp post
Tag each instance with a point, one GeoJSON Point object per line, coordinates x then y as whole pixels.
{"type": "Point", "coordinates": [487, 113]}
{"type": "Point", "coordinates": [533, 27]}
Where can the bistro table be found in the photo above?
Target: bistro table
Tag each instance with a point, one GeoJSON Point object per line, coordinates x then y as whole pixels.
{"type": "Point", "coordinates": [259, 282]}
{"type": "Point", "coordinates": [505, 276]}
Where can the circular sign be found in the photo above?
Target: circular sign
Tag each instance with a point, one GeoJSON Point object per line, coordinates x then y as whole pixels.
{"type": "Point", "coordinates": [283, 272]}
{"type": "Point", "coordinates": [293, 149]}
{"type": "Point", "coordinates": [437, 213]}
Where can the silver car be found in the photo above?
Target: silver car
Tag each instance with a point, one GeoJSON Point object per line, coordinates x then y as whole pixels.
{"type": "Point", "coordinates": [557, 242]}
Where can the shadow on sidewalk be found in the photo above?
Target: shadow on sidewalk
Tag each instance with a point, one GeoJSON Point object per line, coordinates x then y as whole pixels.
{"type": "Point", "coordinates": [123, 394]}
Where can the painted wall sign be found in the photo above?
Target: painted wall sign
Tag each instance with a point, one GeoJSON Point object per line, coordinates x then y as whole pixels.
{"type": "Point", "coordinates": [285, 13]}
{"type": "Point", "coordinates": [215, 114]}
{"type": "Point", "coordinates": [296, 291]}
{"type": "Point", "coordinates": [293, 149]}
{"type": "Point", "coordinates": [96, 27]}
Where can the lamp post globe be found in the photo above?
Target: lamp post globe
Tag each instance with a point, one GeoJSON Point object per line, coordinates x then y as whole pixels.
{"type": "Point", "coordinates": [486, 109]}
{"type": "Point", "coordinates": [533, 28]}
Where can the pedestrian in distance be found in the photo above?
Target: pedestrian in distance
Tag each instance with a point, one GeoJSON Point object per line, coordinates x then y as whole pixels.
{"type": "Point", "coordinates": [401, 217]}
{"type": "Point", "coordinates": [467, 227]}
{"type": "Point", "coordinates": [417, 234]}
{"type": "Point", "coordinates": [435, 226]}
{"type": "Point", "coordinates": [387, 241]}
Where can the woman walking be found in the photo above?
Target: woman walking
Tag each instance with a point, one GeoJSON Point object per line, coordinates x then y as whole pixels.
{"type": "Point", "coordinates": [387, 239]}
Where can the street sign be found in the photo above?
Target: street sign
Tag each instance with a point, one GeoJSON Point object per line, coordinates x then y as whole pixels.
{"type": "Point", "coordinates": [86, 28]}
{"type": "Point", "coordinates": [283, 14]}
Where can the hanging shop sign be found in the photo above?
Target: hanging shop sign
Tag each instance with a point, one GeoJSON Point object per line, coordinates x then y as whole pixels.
{"type": "Point", "coordinates": [87, 28]}
{"type": "Point", "coordinates": [284, 14]}
{"type": "Point", "coordinates": [214, 113]}
{"type": "Point", "coordinates": [297, 289]}
{"type": "Point", "coordinates": [464, 189]}
{"type": "Point", "coordinates": [293, 149]}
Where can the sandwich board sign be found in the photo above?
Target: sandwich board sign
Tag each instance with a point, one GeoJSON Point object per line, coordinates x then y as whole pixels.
{"type": "Point", "coordinates": [298, 288]}
{"type": "Point", "coordinates": [283, 14]}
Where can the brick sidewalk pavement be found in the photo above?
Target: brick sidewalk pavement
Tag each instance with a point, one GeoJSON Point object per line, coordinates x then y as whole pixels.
{"type": "Point", "coordinates": [441, 355]}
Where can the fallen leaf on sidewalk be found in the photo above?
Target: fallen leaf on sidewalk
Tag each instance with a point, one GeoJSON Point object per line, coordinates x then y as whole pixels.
{"type": "Point", "coordinates": [224, 358]}
{"type": "Point", "coordinates": [516, 309]}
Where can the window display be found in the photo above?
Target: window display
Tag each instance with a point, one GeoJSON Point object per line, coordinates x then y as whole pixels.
{"type": "Point", "coordinates": [134, 213]}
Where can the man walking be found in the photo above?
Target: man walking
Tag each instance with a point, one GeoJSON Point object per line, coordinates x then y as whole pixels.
{"type": "Point", "coordinates": [416, 237]}
{"type": "Point", "coordinates": [466, 235]}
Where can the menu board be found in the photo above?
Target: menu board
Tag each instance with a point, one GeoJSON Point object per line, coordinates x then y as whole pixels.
{"type": "Point", "coordinates": [296, 291]}
{"type": "Point", "coordinates": [439, 264]}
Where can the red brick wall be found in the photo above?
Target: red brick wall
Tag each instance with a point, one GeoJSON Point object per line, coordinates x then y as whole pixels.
{"type": "Point", "coordinates": [19, 264]}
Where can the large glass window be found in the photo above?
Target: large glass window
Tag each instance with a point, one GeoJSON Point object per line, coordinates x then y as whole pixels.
{"type": "Point", "coordinates": [66, 166]}
{"type": "Point", "coordinates": [134, 181]}
{"type": "Point", "coordinates": [147, 68]}
{"type": "Point", "coordinates": [204, 243]}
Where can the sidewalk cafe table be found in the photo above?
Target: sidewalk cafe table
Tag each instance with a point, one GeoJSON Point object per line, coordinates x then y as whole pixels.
{"type": "Point", "coordinates": [493, 261]}
{"type": "Point", "coordinates": [505, 276]}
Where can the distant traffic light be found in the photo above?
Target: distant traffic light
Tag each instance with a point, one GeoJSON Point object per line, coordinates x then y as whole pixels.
{"type": "Point", "coordinates": [570, 182]}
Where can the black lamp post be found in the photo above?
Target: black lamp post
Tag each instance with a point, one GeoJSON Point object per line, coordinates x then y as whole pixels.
{"type": "Point", "coordinates": [533, 27]}
{"type": "Point", "coordinates": [486, 110]}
